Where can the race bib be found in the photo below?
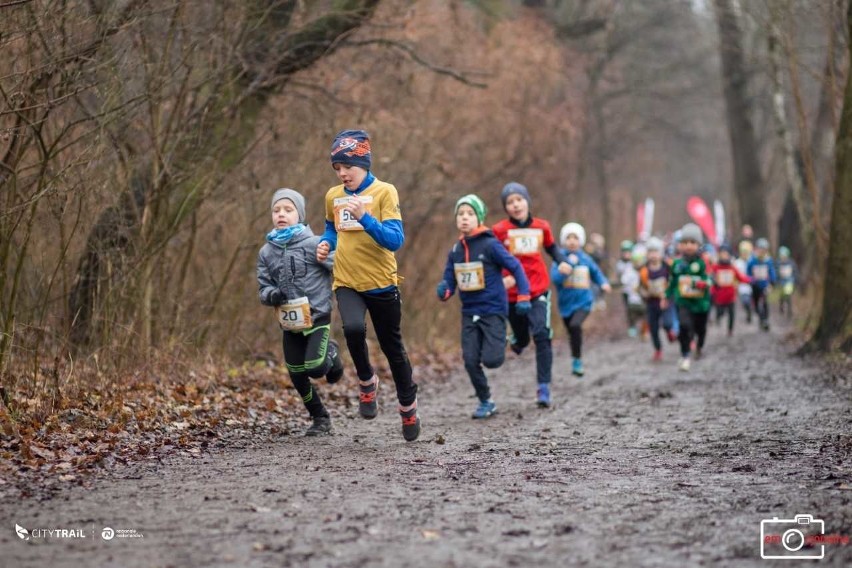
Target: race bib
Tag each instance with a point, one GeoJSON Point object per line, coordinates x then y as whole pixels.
{"type": "Point", "coordinates": [686, 286]}
{"type": "Point", "coordinates": [295, 315]}
{"type": "Point", "coordinates": [579, 278]}
{"type": "Point", "coordinates": [657, 287]}
{"type": "Point", "coordinates": [788, 288]}
{"type": "Point", "coordinates": [470, 276]}
{"type": "Point", "coordinates": [760, 272]}
{"type": "Point", "coordinates": [786, 271]}
{"type": "Point", "coordinates": [525, 241]}
{"type": "Point", "coordinates": [343, 220]}
{"type": "Point", "coordinates": [725, 277]}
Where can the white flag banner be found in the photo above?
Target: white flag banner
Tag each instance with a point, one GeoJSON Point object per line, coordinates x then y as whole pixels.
{"type": "Point", "coordinates": [719, 217]}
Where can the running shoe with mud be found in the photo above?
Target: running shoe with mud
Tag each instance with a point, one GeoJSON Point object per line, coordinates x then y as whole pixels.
{"type": "Point", "coordinates": [320, 427]}
{"type": "Point", "coordinates": [368, 406]}
{"type": "Point", "coordinates": [410, 422]}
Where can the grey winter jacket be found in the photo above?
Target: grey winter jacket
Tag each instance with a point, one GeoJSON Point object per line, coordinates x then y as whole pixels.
{"type": "Point", "coordinates": [293, 268]}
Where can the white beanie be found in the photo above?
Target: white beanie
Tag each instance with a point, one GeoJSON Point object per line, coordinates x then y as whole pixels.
{"type": "Point", "coordinates": [572, 229]}
{"type": "Point", "coordinates": [654, 243]}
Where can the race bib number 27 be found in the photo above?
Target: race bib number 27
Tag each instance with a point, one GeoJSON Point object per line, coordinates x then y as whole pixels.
{"type": "Point", "coordinates": [470, 276]}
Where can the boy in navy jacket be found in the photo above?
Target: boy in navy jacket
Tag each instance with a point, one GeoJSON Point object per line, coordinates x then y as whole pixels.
{"type": "Point", "coordinates": [761, 270]}
{"type": "Point", "coordinates": [475, 267]}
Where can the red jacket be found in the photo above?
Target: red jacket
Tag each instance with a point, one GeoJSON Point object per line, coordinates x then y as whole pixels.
{"type": "Point", "coordinates": [725, 278]}
{"type": "Point", "coordinates": [526, 244]}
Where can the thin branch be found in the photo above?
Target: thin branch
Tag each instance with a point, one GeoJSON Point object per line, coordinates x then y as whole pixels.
{"type": "Point", "coordinates": [417, 58]}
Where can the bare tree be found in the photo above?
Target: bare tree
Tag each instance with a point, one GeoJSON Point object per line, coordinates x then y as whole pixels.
{"type": "Point", "coordinates": [835, 324]}
{"type": "Point", "coordinates": [748, 179]}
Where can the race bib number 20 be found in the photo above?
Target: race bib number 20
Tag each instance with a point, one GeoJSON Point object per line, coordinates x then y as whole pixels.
{"type": "Point", "coordinates": [295, 315]}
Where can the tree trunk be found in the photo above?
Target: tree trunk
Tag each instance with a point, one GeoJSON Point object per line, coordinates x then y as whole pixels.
{"type": "Point", "coordinates": [782, 131]}
{"type": "Point", "coordinates": [835, 326]}
{"type": "Point", "coordinates": [748, 180]}
{"type": "Point", "coordinates": [276, 53]}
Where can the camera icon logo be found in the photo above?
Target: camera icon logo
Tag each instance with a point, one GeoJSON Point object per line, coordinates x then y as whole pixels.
{"type": "Point", "coordinates": [796, 538]}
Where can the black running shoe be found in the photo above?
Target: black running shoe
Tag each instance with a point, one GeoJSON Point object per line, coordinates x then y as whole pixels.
{"type": "Point", "coordinates": [320, 427]}
{"type": "Point", "coordinates": [336, 372]}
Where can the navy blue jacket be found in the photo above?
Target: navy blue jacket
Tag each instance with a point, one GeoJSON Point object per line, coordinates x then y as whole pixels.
{"type": "Point", "coordinates": [492, 299]}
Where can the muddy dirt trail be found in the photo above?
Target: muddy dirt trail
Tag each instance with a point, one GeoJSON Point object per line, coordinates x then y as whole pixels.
{"type": "Point", "coordinates": [636, 465]}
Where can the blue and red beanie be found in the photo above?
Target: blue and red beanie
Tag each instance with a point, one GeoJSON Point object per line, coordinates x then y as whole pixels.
{"type": "Point", "coordinates": [352, 147]}
{"type": "Point", "coordinates": [512, 188]}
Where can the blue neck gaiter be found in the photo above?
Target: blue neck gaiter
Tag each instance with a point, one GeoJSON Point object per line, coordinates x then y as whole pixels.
{"type": "Point", "coordinates": [282, 236]}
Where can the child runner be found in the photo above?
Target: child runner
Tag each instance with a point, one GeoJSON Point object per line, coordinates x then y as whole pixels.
{"type": "Point", "coordinates": [653, 281]}
{"type": "Point", "coordinates": [475, 267]}
{"type": "Point", "coordinates": [292, 279]}
{"type": "Point", "coordinates": [364, 225]}
{"type": "Point", "coordinates": [525, 236]}
{"type": "Point", "coordinates": [726, 277]}
{"type": "Point", "coordinates": [761, 269]}
{"type": "Point", "coordinates": [574, 290]}
{"type": "Point", "coordinates": [630, 283]}
{"type": "Point", "coordinates": [689, 288]}
{"type": "Point", "coordinates": [744, 289]}
{"type": "Point", "coordinates": [788, 274]}
{"type": "Point", "coordinates": [624, 263]}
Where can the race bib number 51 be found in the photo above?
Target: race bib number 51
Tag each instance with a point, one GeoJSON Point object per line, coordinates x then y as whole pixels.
{"type": "Point", "coordinates": [295, 315]}
{"type": "Point", "coordinates": [525, 241]}
{"type": "Point", "coordinates": [345, 221]}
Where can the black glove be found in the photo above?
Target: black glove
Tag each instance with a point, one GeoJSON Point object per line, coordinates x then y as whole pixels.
{"type": "Point", "coordinates": [276, 297]}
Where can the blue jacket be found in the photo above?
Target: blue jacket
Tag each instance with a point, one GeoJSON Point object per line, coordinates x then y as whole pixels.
{"type": "Point", "coordinates": [492, 298]}
{"type": "Point", "coordinates": [792, 273]}
{"type": "Point", "coordinates": [769, 271]}
{"type": "Point", "coordinates": [573, 298]}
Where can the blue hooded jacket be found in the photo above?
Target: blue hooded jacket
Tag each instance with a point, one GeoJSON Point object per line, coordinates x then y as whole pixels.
{"type": "Point", "coordinates": [755, 269]}
{"type": "Point", "coordinates": [572, 299]}
{"type": "Point", "coordinates": [492, 299]}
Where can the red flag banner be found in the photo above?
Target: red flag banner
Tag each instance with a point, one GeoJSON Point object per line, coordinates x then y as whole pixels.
{"type": "Point", "coordinates": [640, 220]}
{"type": "Point", "coordinates": [702, 216]}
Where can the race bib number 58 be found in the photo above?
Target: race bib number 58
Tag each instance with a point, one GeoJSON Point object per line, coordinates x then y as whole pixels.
{"type": "Point", "coordinates": [343, 220]}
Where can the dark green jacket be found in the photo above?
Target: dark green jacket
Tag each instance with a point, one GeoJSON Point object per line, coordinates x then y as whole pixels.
{"type": "Point", "coordinates": [686, 272]}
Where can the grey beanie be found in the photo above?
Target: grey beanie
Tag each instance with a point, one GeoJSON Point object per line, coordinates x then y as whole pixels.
{"type": "Point", "coordinates": [292, 195]}
{"type": "Point", "coordinates": [691, 232]}
{"type": "Point", "coordinates": [515, 187]}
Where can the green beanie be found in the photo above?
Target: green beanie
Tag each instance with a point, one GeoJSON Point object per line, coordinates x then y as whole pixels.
{"type": "Point", "coordinates": [476, 204]}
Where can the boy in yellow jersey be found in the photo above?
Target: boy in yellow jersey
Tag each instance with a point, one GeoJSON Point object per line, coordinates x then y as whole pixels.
{"type": "Point", "coordinates": [364, 226]}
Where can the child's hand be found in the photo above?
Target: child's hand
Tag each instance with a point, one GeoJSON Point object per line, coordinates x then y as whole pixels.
{"type": "Point", "coordinates": [664, 303]}
{"type": "Point", "coordinates": [523, 308]}
{"type": "Point", "coordinates": [443, 291]}
{"type": "Point", "coordinates": [565, 269]}
{"type": "Point", "coordinates": [508, 281]}
{"type": "Point", "coordinates": [276, 297]}
{"type": "Point", "coordinates": [323, 250]}
{"type": "Point", "coordinates": [355, 207]}
{"type": "Point", "coordinates": [606, 288]}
